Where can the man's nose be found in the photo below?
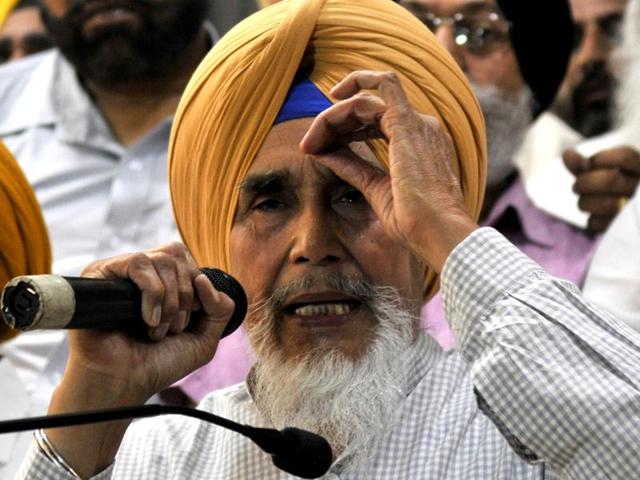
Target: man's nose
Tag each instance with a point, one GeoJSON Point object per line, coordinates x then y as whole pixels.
{"type": "Point", "coordinates": [595, 46]}
{"type": "Point", "coordinates": [445, 34]}
{"type": "Point", "coordinates": [315, 239]}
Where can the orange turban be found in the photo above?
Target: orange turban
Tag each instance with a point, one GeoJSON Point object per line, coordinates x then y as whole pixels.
{"type": "Point", "coordinates": [235, 94]}
{"type": "Point", "coordinates": [24, 242]}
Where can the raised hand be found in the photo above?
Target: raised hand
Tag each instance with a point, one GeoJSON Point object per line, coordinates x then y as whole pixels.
{"type": "Point", "coordinates": [419, 201]}
{"type": "Point", "coordinates": [604, 182]}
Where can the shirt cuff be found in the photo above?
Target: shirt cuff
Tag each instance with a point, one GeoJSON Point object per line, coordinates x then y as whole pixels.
{"type": "Point", "coordinates": [479, 272]}
{"type": "Point", "coordinates": [37, 466]}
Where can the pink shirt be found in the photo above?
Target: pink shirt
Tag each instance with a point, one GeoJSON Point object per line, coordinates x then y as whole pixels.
{"type": "Point", "coordinates": [564, 251]}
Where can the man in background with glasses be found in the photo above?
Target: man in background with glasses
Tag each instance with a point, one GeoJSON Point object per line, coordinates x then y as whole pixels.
{"type": "Point", "coordinates": [515, 55]}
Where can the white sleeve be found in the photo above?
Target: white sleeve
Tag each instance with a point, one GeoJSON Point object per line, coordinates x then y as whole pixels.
{"type": "Point", "coordinates": [613, 279]}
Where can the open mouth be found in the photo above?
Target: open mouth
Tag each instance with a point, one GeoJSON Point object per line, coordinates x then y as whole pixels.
{"type": "Point", "coordinates": [323, 308]}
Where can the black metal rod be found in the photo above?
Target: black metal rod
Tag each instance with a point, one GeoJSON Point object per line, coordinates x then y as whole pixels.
{"type": "Point", "coordinates": [109, 415]}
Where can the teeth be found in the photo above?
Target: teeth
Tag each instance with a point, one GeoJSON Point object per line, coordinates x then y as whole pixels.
{"type": "Point", "coordinates": [323, 309]}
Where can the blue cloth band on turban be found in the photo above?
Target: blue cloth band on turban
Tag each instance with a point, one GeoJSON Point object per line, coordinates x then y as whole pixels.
{"type": "Point", "coordinates": [303, 100]}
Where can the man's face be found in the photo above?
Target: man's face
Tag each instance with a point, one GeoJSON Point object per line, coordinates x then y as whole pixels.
{"type": "Point", "coordinates": [586, 97]}
{"type": "Point", "coordinates": [301, 230]}
{"type": "Point", "coordinates": [22, 34]}
{"type": "Point", "coordinates": [488, 60]}
{"type": "Point", "coordinates": [116, 41]}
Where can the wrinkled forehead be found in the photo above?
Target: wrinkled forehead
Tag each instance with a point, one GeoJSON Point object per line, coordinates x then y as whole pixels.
{"type": "Point", "coordinates": [281, 149]}
{"type": "Point", "coordinates": [589, 10]}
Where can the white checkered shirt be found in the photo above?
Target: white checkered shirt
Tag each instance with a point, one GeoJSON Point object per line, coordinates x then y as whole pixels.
{"type": "Point", "coordinates": [543, 387]}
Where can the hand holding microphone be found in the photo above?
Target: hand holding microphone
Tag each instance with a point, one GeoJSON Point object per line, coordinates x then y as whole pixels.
{"type": "Point", "coordinates": [112, 368]}
{"type": "Point", "coordinates": [163, 285]}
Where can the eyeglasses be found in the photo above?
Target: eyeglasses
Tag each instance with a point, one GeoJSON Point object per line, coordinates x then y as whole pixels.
{"type": "Point", "coordinates": [479, 33]}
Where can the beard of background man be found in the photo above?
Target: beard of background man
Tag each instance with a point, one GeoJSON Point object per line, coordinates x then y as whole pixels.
{"type": "Point", "coordinates": [351, 402]}
{"type": "Point", "coordinates": [507, 119]}
{"type": "Point", "coordinates": [145, 44]}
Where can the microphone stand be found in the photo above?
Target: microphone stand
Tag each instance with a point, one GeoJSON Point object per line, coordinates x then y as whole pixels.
{"type": "Point", "coordinates": [295, 451]}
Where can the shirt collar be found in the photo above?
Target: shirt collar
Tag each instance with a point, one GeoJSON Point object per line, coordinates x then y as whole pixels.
{"type": "Point", "coordinates": [79, 119]}
{"type": "Point", "coordinates": [33, 105]}
{"type": "Point", "coordinates": [532, 222]}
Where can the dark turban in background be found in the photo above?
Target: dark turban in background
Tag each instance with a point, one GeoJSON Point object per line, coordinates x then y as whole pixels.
{"type": "Point", "coordinates": [542, 38]}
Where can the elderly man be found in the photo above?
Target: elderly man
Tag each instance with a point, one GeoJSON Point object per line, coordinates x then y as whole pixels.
{"type": "Point", "coordinates": [22, 32]}
{"type": "Point", "coordinates": [337, 242]}
{"type": "Point", "coordinates": [515, 74]}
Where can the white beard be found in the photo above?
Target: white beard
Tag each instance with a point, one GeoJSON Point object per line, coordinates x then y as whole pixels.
{"type": "Point", "coordinates": [350, 403]}
{"type": "Point", "coordinates": [507, 120]}
{"type": "Point", "coordinates": [628, 95]}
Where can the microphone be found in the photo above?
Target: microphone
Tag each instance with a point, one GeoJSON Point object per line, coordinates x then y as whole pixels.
{"type": "Point", "coordinates": [54, 302]}
{"type": "Point", "coordinates": [295, 451]}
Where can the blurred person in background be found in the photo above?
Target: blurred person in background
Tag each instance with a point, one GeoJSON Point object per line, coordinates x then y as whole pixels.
{"type": "Point", "coordinates": [22, 32]}
{"type": "Point", "coordinates": [89, 124]}
{"type": "Point", "coordinates": [606, 167]}
{"type": "Point", "coordinates": [582, 190]}
{"type": "Point", "coordinates": [613, 280]}
{"type": "Point", "coordinates": [585, 100]}
{"type": "Point", "coordinates": [27, 362]}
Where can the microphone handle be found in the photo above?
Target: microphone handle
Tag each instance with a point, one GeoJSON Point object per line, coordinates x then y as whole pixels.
{"type": "Point", "coordinates": [115, 305]}
{"type": "Point", "coordinates": [54, 302]}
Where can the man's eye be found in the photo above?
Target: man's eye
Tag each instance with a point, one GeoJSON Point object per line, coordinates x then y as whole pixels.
{"type": "Point", "coordinates": [352, 196]}
{"type": "Point", "coordinates": [268, 205]}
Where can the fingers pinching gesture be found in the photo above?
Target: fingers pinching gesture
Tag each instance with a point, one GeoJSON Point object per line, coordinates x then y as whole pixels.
{"type": "Point", "coordinates": [420, 201]}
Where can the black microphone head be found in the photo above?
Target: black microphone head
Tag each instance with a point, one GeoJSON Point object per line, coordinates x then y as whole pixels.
{"type": "Point", "coordinates": [309, 455]}
{"type": "Point", "coordinates": [231, 287]}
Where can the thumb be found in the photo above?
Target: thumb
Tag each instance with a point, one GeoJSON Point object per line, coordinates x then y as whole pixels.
{"type": "Point", "coordinates": [217, 308]}
{"type": "Point", "coordinates": [575, 162]}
